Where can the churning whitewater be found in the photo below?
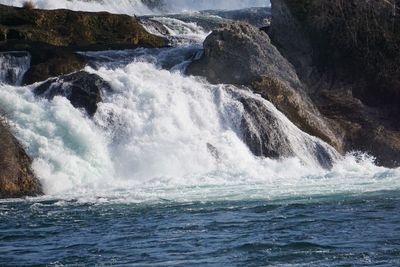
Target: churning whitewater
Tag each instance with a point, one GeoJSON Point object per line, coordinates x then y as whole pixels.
{"type": "Point", "coordinates": [159, 134]}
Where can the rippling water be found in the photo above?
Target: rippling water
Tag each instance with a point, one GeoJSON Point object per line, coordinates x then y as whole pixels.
{"type": "Point", "coordinates": [341, 230]}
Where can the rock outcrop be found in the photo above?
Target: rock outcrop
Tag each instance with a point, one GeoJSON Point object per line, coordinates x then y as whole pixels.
{"type": "Point", "coordinates": [332, 70]}
{"type": "Point", "coordinates": [53, 36]}
{"type": "Point", "coordinates": [86, 30]}
{"type": "Point", "coordinates": [241, 54]}
{"type": "Point", "coordinates": [82, 89]}
{"type": "Point", "coordinates": [346, 53]}
{"type": "Point", "coordinates": [16, 176]}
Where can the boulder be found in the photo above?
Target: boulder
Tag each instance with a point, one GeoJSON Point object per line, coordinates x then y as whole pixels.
{"type": "Point", "coordinates": [245, 51]}
{"type": "Point", "coordinates": [241, 54]}
{"type": "Point", "coordinates": [83, 30]}
{"type": "Point", "coordinates": [82, 89]}
{"type": "Point", "coordinates": [16, 176]}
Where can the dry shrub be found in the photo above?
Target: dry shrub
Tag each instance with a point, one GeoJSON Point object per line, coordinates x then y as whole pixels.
{"type": "Point", "coordinates": [28, 5]}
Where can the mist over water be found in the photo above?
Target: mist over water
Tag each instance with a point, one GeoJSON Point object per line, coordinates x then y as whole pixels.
{"type": "Point", "coordinates": [139, 7]}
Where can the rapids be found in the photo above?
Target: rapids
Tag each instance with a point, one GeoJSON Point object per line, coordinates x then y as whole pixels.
{"type": "Point", "coordinates": [160, 134]}
{"type": "Point", "coordinates": [160, 175]}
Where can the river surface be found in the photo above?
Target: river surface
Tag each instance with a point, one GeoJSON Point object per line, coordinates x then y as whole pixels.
{"type": "Point", "coordinates": [160, 176]}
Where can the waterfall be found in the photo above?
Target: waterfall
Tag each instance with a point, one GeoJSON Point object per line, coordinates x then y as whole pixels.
{"type": "Point", "coordinates": [13, 66]}
{"type": "Point", "coordinates": [161, 134]}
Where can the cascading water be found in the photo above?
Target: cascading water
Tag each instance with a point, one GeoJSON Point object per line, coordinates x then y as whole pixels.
{"type": "Point", "coordinates": [161, 174]}
{"type": "Point", "coordinates": [13, 66]}
{"type": "Point", "coordinates": [161, 135]}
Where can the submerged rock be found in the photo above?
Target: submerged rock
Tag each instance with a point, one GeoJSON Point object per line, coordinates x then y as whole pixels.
{"type": "Point", "coordinates": [82, 89]}
{"type": "Point", "coordinates": [16, 176]}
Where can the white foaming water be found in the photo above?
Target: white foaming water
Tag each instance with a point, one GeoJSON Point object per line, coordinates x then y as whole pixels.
{"type": "Point", "coordinates": [138, 7]}
{"type": "Point", "coordinates": [150, 140]}
{"type": "Point", "coordinates": [162, 136]}
{"type": "Point", "coordinates": [183, 32]}
{"type": "Point", "coordinates": [13, 66]}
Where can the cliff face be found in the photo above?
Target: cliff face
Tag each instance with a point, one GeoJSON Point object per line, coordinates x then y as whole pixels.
{"type": "Point", "coordinates": [351, 41]}
{"type": "Point", "coordinates": [347, 54]}
{"type": "Point", "coordinates": [16, 176]}
{"type": "Point", "coordinates": [330, 66]}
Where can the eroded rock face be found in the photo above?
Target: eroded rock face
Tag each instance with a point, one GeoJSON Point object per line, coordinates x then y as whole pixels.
{"type": "Point", "coordinates": [82, 89]}
{"type": "Point", "coordinates": [16, 176]}
{"type": "Point", "coordinates": [239, 53]}
{"type": "Point", "coordinates": [348, 60]}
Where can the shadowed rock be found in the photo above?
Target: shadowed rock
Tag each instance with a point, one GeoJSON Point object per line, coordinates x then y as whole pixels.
{"type": "Point", "coordinates": [348, 60]}
{"type": "Point", "coordinates": [82, 89]}
{"type": "Point", "coordinates": [16, 176]}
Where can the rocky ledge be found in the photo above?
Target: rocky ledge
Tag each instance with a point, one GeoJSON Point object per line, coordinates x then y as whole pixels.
{"type": "Point", "coordinates": [53, 36]}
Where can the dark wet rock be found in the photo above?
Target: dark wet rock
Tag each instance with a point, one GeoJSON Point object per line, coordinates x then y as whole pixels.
{"type": "Point", "coordinates": [262, 132]}
{"type": "Point", "coordinates": [299, 109]}
{"type": "Point", "coordinates": [16, 176]}
{"type": "Point", "coordinates": [82, 89]}
{"type": "Point", "coordinates": [363, 128]}
{"type": "Point", "coordinates": [267, 134]}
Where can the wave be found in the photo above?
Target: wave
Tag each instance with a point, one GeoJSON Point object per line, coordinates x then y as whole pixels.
{"type": "Point", "coordinates": [140, 7]}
